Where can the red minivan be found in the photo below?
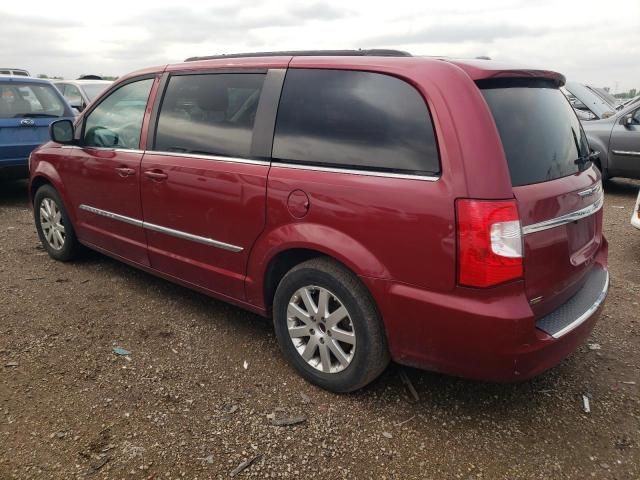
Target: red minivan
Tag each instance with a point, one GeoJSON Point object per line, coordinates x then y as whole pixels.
{"type": "Point", "coordinates": [441, 213]}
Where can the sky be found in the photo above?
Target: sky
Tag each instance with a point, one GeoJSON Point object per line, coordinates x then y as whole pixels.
{"type": "Point", "coordinates": [593, 42]}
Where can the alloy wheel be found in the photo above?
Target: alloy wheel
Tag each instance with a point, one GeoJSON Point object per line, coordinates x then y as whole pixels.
{"type": "Point", "coordinates": [321, 329]}
{"type": "Point", "coordinates": [52, 223]}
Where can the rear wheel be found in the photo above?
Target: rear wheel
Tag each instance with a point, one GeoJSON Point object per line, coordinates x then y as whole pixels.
{"type": "Point", "coordinates": [328, 326]}
{"type": "Point", "coordinates": [53, 225]}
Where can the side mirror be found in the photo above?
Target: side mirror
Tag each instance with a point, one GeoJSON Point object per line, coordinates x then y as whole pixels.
{"type": "Point", "coordinates": [627, 120]}
{"type": "Point", "coordinates": [61, 131]}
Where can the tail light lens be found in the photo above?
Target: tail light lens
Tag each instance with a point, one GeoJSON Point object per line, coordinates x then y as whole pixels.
{"type": "Point", "coordinates": [489, 242]}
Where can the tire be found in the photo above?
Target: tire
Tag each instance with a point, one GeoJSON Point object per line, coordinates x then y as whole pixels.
{"type": "Point", "coordinates": [54, 226]}
{"type": "Point", "coordinates": [343, 352]}
{"type": "Point", "coordinates": [604, 173]}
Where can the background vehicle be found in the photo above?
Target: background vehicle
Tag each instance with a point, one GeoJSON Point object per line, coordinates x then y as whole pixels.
{"type": "Point", "coordinates": [635, 216]}
{"type": "Point", "coordinates": [14, 71]}
{"type": "Point", "coordinates": [632, 101]}
{"type": "Point", "coordinates": [80, 93]}
{"type": "Point", "coordinates": [27, 107]}
{"type": "Point", "coordinates": [617, 138]}
{"type": "Point", "coordinates": [587, 103]}
{"type": "Point", "coordinates": [606, 96]}
{"type": "Point", "coordinates": [441, 213]}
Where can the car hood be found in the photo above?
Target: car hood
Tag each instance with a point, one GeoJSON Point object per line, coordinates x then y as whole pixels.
{"type": "Point", "coordinates": [596, 104]}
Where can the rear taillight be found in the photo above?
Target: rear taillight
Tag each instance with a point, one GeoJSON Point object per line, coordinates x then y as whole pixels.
{"type": "Point", "coordinates": [489, 242]}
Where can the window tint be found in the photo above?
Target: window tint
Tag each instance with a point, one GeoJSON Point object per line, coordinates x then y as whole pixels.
{"type": "Point", "coordinates": [21, 99]}
{"type": "Point", "coordinates": [540, 133]}
{"type": "Point", "coordinates": [209, 114]}
{"type": "Point", "coordinates": [117, 121]}
{"type": "Point", "coordinates": [354, 120]}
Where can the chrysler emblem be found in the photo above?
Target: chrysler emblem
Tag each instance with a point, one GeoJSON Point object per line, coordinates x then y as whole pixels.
{"type": "Point", "coordinates": [27, 122]}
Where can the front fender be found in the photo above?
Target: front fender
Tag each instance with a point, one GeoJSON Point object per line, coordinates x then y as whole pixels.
{"type": "Point", "coordinates": [46, 171]}
{"type": "Point", "coordinates": [320, 238]}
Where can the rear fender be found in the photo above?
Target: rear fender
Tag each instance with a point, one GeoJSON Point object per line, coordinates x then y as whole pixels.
{"type": "Point", "coordinates": [320, 238]}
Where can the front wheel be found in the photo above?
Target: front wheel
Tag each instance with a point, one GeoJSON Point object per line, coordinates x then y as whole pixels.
{"type": "Point", "coordinates": [53, 225]}
{"type": "Point", "coordinates": [328, 327]}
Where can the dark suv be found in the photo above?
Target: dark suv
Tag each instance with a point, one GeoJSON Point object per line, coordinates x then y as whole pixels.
{"type": "Point", "coordinates": [441, 213]}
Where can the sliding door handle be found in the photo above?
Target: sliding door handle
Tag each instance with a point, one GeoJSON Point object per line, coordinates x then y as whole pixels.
{"type": "Point", "coordinates": [125, 171]}
{"type": "Point", "coordinates": [156, 175]}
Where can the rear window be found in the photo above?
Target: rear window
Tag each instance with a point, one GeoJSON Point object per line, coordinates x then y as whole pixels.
{"type": "Point", "coordinates": [29, 100]}
{"type": "Point", "coordinates": [540, 133]}
{"type": "Point", "coordinates": [354, 120]}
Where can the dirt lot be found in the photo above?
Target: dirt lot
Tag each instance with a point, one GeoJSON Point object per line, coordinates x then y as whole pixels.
{"type": "Point", "coordinates": [183, 405]}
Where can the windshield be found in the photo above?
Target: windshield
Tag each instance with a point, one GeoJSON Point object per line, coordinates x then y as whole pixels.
{"type": "Point", "coordinates": [94, 89]}
{"type": "Point", "coordinates": [540, 133]}
{"type": "Point", "coordinates": [30, 100]}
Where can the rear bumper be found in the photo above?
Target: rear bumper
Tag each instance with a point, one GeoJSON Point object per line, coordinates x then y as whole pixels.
{"type": "Point", "coordinates": [488, 336]}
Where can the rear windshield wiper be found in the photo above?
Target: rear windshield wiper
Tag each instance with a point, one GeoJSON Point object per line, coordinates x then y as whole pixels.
{"type": "Point", "coordinates": [35, 115]}
{"type": "Point", "coordinates": [582, 160]}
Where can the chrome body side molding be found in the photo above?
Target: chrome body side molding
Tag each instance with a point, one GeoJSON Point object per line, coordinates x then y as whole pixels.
{"type": "Point", "coordinates": [564, 219]}
{"type": "Point", "coordinates": [161, 229]}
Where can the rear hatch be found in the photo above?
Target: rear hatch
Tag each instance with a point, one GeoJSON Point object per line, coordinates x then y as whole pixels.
{"type": "Point", "coordinates": [557, 189]}
{"type": "Point", "coordinates": [26, 110]}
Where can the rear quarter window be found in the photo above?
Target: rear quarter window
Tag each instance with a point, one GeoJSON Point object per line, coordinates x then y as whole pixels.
{"type": "Point", "coordinates": [354, 120]}
{"type": "Point", "coordinates": [541, 135]}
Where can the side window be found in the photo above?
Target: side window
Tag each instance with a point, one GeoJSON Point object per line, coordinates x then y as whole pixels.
{"type": "Point", "coordinates": [60, 87]}
{"type": "Point", "coordinates": [636, 116]}
{"type": "Point", "coordinates": [117, 121]}
{"type": "Point", "coordinates": [209, 114]}
{"type": "Point", "coordinates": [355, 120]}
{"type": "Point", "coordinates": [73, 96]}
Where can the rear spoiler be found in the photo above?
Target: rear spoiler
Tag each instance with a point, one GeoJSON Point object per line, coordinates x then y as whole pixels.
{"type": "Point", "coordinates": [481, 70]}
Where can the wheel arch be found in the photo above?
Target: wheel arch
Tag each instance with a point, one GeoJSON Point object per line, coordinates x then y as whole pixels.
{"type": "Point", "coordinates": [46, 174]}
{"type": "Point", "coordinates": [284, 248]}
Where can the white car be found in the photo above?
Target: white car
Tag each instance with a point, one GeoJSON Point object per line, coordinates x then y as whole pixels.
{"type": "Point", "coordinates": [635, 216]}
{"type": "Point", "coordinates": [14, 71]}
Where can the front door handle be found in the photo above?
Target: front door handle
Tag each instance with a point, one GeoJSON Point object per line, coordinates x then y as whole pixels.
{"type": "Point", "coordinates": [156, 174]}
{"type": "Point", "coordinates": [125, 171]}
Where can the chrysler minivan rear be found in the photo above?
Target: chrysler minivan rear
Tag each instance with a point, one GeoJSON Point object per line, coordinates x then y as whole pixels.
{"type": "Point", "coordinates": [531, 265]}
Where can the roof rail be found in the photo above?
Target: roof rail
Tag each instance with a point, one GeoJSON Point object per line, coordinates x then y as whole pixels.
{"type": "Point", "coordinates": [373, 52]}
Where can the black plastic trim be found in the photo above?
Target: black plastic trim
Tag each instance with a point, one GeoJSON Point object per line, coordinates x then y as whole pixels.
{"type": "Point", "coordinates": [265, 122]}
{"type": "Point", "coordinates": [153, 120]}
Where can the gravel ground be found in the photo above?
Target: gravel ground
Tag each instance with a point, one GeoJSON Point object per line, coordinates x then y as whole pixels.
{"type": "Point", "coordinates": [197, 395]}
